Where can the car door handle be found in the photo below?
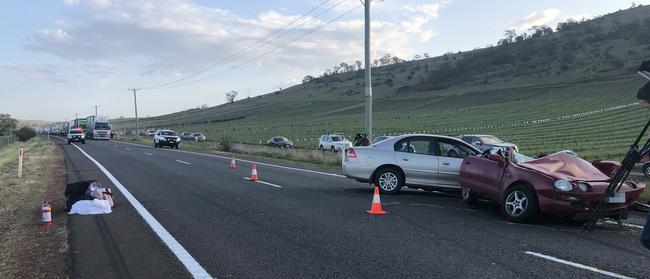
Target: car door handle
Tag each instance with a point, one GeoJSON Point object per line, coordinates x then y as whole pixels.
{"type": "Point", "coordinates": [404, 159]}
{"type": "Point", "coordinates": [445, 163]}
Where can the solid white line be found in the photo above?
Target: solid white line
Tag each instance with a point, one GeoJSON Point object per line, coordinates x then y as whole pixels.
{"type": "Point", "coordinates": [183, 162]}
{"type": "Point", "coordinates": [128, 148]}
{"type": "Point", "coordinates": [582, 266]}
{"type": "Point", "coordinates": [248, 161]}
{"type": "Point", "coordinates": [186, 259]}
{"type": "Point", "coordinates": [148, 154]}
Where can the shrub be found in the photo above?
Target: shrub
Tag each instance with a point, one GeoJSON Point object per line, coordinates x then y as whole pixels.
{"type": "Point", "coordinates": [226, 143]}
{"type": "Point", "coordinates": [25, 133]}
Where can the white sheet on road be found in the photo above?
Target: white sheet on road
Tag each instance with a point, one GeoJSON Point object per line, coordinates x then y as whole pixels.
{"type": "Point", "coordinates": [88, 207]}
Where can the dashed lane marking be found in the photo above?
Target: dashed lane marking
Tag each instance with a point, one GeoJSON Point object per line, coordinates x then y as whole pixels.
{"type": "Point", "coordinates": [183, 162]}
{"type": "Point", "coordinates": [263, 182]}
{"type": "Point", "coordinates": [148, 154]}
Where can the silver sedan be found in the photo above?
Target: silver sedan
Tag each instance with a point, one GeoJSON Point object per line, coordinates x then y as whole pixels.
{"type": "Point", "coordinates": [421, 161]}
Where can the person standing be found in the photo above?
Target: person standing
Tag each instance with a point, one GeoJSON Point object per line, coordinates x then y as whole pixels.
{"type": "Point", "coordinates": [644, 100]}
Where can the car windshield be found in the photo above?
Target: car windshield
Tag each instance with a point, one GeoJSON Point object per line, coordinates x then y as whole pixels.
{"type": "Point", "coordinates": [338, 138]}
{"type": "Point", "coordinates": [75, 132]}
{"type": "Point", "coordinates": [282, 139]}
{"type": "Point", "coordinates": [168, 133]}
{"type": "Point", "coordinates": [490, 140]}
{"type": "Point", "coordinates": [198, 135]}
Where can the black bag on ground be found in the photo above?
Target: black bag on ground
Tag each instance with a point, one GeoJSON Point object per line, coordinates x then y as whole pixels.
{"type": "Point", "coordinates": [75, 192]}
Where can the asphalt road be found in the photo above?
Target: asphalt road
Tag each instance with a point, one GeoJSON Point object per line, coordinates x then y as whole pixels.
{"type": "Point", "coordinates": [305, 224]}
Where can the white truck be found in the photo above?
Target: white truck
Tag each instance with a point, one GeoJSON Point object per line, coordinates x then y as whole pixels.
{"type": "Point", "coordinates": [97, 128]}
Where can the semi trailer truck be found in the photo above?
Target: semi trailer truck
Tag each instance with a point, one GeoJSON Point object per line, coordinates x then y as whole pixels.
{"type": "Point", "coordinates": [97, 128]}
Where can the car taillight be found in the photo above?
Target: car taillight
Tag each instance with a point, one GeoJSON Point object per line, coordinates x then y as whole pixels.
{"type": "Point", "coordinates": [351, 153]}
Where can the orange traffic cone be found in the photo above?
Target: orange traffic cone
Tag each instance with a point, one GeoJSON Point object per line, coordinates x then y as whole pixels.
{"type": "Point", "coordinates": [375, 208]}
{"type": "Point", "coordinates": [232, 163]}
{"type": "Point", "coordinates": [254, 174]}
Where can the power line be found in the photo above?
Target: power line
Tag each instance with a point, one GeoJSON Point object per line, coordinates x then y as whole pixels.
{"type": "Point", "coordinates": [265, 53]}
{"type": "Point", "coordinates": [242, 51]}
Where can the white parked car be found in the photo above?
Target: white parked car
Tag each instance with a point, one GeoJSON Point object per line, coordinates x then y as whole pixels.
{"type": "Point", "coordinates": [419, 161]}
{"type": "Point", "coordinates": [166, 137]}
{"type": "Point", "coordinates": [333, 142]}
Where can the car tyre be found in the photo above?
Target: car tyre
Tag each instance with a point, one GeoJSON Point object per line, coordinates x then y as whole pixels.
{"type": "Point", "coordinates": [390, 180]}
{"type": "Point", "coordinates": [83, 142]}
{"type": "Point", "coordinates": [468, 196]}
{"type": "Point", "coordinates": [646, 170]}
{"type": "Point", "coordinates": [520, 204]}
{"type": "Point", "coordinates": [155, 144]}
{"type": "Point", "coordinates": [333, 149]}
{"type": "Point", "coordinates": [176, 146]}
{"type": "Point", "coordinates": [321, 148]}
{"type": "Point", "coordinates": [69, 142]}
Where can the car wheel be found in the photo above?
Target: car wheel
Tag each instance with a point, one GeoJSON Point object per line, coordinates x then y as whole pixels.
{"type": "Point", "coordinates": [321, 148]}
{"type": "Point", "coordinates": [333, 149]}
{"type": "Point", "coordinates": [646, 169]}
{"type": "Point", "coordinates": [176, 146]}
{"type": "Point", "coordinates": [520, 204]}
{"type": "Point", "coordinates": [468, 196]}
{"type": "Point", "coordinates": [83, 142]}
{"type": "Point", "coordinates": [69, 142]}
{"type": "Point", "coordinates": [389, 180]}
{"type": "Point", "coordinates": [155, 144]}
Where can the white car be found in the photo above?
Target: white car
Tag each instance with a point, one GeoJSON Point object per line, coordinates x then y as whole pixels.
{"type": "Point", "coordinates": [333, 142]}
{"type": "Point", "coordinates": [418, 161]}
{"type": "Point", "coordinates": [76, 135]}
{"type": "Point", "coordinates": [166, 137]}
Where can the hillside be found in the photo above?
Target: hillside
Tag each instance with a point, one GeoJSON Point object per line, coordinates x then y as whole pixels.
{"type": "Point", "coordinates": [572, 88]}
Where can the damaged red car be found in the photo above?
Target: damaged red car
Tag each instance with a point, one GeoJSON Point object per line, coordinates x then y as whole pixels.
{"type": "Point", "coordinates": [557, 184]}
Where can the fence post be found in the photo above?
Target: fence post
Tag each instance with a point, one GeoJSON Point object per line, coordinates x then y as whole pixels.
{"type": "Point", "coordinates": [20, 162]}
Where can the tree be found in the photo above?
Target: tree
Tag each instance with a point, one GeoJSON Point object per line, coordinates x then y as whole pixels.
{"type": "Point", "coordinates": [307, 79]}
{"type": "Point", "coordinates": [7, 124]}
{"type": "Point", "coordinates": [417, 57]}
{"type": "Point", "coordinates": [358, 63]}
{"type": "Point", "coordinates": [25, 133]}
{"type": "Point", "coordinates": [426, 55]}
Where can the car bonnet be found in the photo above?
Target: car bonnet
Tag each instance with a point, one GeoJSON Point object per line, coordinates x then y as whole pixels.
{"type": "Point", "coordinates": [562, 165]}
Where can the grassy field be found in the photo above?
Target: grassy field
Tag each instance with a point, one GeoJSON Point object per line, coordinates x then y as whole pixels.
{"type": "Point", "coordinates": [27, 248]}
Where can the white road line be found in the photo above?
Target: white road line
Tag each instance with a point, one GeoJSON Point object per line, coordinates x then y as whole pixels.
{"type": "Point", "coordinates": [148, 154]}
{"type": "Point", "coordinates": [128, 148]}
{"type": "Point", "coordinates": [625, 224]}
{"type": "Point", "coordinates": [183, 162]}
{"type": "Point", "coordinates": [186, 259]}
{"type": "Point", "coordinates": [582, 266]}
{"type": "Point", "coordinates": [248, 161]}
{"type": "Point", "coordinates": [264, 182]}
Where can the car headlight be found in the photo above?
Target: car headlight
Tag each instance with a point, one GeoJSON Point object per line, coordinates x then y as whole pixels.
{"type": "Point", "coordinates": [583, 186]}
{"type": "Point", "coordinates": [563, 185]}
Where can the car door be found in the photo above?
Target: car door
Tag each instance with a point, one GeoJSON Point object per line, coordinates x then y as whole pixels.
{"type": "Point", "coordinates": [416, 156]}
{"type": "Point", "coordinates": [483, 176]}
{"type": "Point", "coordinates": [452, 152]}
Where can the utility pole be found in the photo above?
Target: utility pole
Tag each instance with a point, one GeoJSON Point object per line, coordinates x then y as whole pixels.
{"type": "Point", "coordinates": [368, 88]}
{"type": "Point", "coordinates": [95, 111]}
{"type": "Point", "coordinates": [135, 102]}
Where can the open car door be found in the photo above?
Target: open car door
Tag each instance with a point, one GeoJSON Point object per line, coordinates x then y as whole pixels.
{"type": "Point", "coordinates": [483, 174]}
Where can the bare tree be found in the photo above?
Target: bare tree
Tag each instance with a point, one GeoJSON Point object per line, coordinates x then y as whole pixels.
{"type": "Point", "coordinates": [230, 96]}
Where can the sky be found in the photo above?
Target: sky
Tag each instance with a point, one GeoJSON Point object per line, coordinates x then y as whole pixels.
{"type": "Point", "coordinates": [61, 58]}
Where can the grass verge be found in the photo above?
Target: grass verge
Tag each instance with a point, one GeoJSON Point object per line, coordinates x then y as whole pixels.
{"type": "Point", "coordinates": [29, 249]}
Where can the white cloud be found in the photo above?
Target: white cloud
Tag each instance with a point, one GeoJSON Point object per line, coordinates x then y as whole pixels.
{"type": "Point", "coordinates": [99, 3]}
{"type": "Point", "coordinates": [180, 36]}
{"type": "Point", "coordinates": [535, 19]}
{"type": "Point", "coordinates": [71, 2]}
{"type": "Point", "coordinates": [35, 72]}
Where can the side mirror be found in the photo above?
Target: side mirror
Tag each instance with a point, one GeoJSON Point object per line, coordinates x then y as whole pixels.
{"type": "Point", "coordinates": [497, 158]}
